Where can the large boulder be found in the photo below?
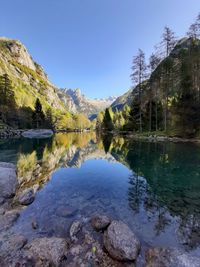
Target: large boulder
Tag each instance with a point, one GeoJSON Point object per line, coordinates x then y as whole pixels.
{"type": "Point", "coordinates": [75, 228]}
{"type": "Point", "coordinates": [169, 257]}
{"type": "Point", "coordinates": [26, 197]}
{"type": "Point", "coordinates": [100, 222]}
{"type": "Point", "coordinates": [39, 133]}
{"type": "Point", "coordinates": [47, 251]}
{"type": "Point", "coordinates": [8, 180]}
{"type": "Point", "coordinates": [120, 242]}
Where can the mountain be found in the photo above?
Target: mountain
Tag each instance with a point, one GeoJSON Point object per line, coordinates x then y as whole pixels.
{"type": "Point", "coordinates": [78, 103]}
{"type": "Point", "coordinates": [22, 82]}
{"type": "Point", "coordinates": [28, 78]}
{"type": "Point", "coordinates": [122, 100]}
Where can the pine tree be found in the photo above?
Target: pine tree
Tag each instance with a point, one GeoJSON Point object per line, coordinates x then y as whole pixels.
{"type": "Point", "coordinates": [168, 41]}
{"type": "Point", "coordinates": [7, 101]}
{"type": "Point", "coordinates": [38, 115]}
{"type": "Point", "coordinates": [154, 61]}
{"type": "Point", "coordinates": [194, 29]}
{"type": "Point", "coordinates": [49, 119]}
{"type": "Point", "coordinates": [138, 76]}
{"type": "Point", "coordinates": [107, 121]}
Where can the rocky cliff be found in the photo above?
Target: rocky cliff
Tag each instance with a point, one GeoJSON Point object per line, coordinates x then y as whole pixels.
{"type": "Point", "coordinates": [78, 103]}
{"type": "Point", "coordinates": [28, 78]}
{"type": "Point", "coordinates": [29, 82]}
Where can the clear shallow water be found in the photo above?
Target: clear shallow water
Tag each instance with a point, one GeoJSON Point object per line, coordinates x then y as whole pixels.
{"type": "Point", "coordinates": [153, 187]}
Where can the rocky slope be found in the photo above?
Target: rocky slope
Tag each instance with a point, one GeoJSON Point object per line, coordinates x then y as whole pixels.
{"type": "Point", "coordinates": [123, 100]}
{"type": "Point", "coordinates": [78, 103]}
{"type": "Point", "coordinates": [28, 78]}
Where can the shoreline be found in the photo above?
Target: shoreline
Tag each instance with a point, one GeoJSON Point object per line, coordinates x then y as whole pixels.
{"type": "Point", "coordinates": [17, 133]}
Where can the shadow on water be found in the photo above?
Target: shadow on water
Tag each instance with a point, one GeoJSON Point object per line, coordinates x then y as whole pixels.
{"type": "Point", "coordinates": [153, 187]}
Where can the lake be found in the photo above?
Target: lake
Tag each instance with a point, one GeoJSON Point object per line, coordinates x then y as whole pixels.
{"type": "Point", "coordinates": [152, 187]}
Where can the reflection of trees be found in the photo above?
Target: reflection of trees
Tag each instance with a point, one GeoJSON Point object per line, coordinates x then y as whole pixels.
{"type": "Point", "coordinates": [172, 175]}
{"type": "Point", "coordinates": [107, 141]}
{"type": "Point", "coordinates": [136, 192]}
{"type": "Point", "coordinates": [36, 163]}
{"type": "Point", "coordinates": [165, 182]}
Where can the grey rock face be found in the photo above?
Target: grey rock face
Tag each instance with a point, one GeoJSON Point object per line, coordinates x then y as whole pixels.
{"type": "Point", "coordinates": [74, 230]}
{"type": "Point", "coordinates": [120, 242]}
{"type": "Point", "coordinates": [100, 222]}
{"type": "Point", "coordinates": [11, 244]}
{"type": "Point", "coordinates": [41, 133]}
{"type": "Point", "coordinates": [26, 197]}
{"type": "Point", "coordinates": [49, 250]}
{"type": "Point", "coordinates": [8, 180]}
{"type": "Point", "coordinates": [8, 219]}
{"type": "Point", "coordinates": [167, 257]}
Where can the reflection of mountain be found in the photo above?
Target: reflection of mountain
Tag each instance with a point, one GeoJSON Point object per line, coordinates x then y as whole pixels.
{"type": "Point", "coordinates": [37, 159]}
{"type": "Point", "coordinates": [165, 180]}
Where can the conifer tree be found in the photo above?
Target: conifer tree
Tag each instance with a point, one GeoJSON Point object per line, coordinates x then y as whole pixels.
{"type": "Point", "coordinates": [138, 76]}
{"type": "Point", "coordinates": [7, 101]}
{"type": "Point", "coordinates": [107, 121]}
{"type": "Point", "coordinates": [38, 115]}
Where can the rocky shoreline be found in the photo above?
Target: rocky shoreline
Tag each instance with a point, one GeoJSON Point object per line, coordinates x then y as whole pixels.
{"type": "Point", "coordinates": [156, 138]}
{"type": "Point", "coordinates": [96, 241]}
{"type": "Point", "coordinates": [46, 133]}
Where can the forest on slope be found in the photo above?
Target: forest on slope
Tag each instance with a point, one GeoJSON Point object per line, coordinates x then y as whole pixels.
{"type": "Point", "coordinates": [166, 92]}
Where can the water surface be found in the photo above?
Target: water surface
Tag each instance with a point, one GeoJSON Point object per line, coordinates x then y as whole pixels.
{"type": "Point", "coordinates": [153, 187]}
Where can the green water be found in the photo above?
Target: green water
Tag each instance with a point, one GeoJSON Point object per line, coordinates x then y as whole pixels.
{"type": "Point", "coordinates": [153, 187]}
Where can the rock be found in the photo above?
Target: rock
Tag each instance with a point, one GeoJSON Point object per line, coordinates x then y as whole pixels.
{"type": "Point", "coordinates": [2, 211]}
{"type": "Point", "coordinates": [100, 222]}
{"type": "Point", "coordinates": [7, 165]}
{"type": "Point", "coordinates": [26, 197]}
{"type": "Point", "coordinates": [7, 220]}
{"type": "Point", "coordinates": [8, 180]}
{"type": "Point", "coordinates": [74, 230]}
{"type": "Point", "coordinates": [120, 242]}
{"type": "Point", "coordinates": [11, 244]}
{"type": "Point", "coordinates": [76, 250]}
{"type": "Point", "coordinates": [169, 257]}
{"type": "Point", "coordinates": [36, 187]}
{"type": "Point", "coordinates": [63, 211]}
{"type": "Point", "coordinates": [49, 250]}
{"type": "Point", "coordinates": [34, 225]}
{"type": "Point", "coordinates": [39, 133]}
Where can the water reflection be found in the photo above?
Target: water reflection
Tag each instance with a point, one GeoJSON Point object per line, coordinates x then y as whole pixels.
{"type": "Point", "coordinates": [154, 187]}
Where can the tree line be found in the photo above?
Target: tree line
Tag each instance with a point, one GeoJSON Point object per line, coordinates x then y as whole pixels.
{"type": "Point", "coordinates": [166, 90]}
{"type": "Point", "coordinates": [37, 117]}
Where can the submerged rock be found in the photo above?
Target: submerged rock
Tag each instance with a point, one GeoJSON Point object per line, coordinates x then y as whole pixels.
{"type": "Point", "coordinates": [63, 211]}
{"type": "Point", "coordinates": [74, 230]}
{"type": "Point", "coordinates": [47, 251]}
{"type": "Point", "coordinates": [100, 222]}
{"type": "Point", "coordinates": [26, 197]}
{"type": "Point", "coordinates": [39, 133]}
{"type": "Point", "coordinates": [167, 257]}
{"type": "Point", "coordinates": [8, 180]}
{"type": "Point", "coordinates": [9, 245]}
{"type": "Point", "coordinates": [34, 225]}
{"type": "Point", "coordinates": [7, 220]}
{"type": "Point", "coordinates": [120, 242]}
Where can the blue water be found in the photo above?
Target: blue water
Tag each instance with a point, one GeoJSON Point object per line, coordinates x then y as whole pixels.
{"type": "Point", "coordinates": [153, 187]}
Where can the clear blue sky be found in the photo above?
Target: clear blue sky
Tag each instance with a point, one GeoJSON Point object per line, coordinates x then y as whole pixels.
{"type": "Point", "coordinates": [89, 44]}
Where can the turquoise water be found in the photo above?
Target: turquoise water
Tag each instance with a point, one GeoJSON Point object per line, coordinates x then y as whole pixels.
{"type": "Point", "coordinates": [153, 187]}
